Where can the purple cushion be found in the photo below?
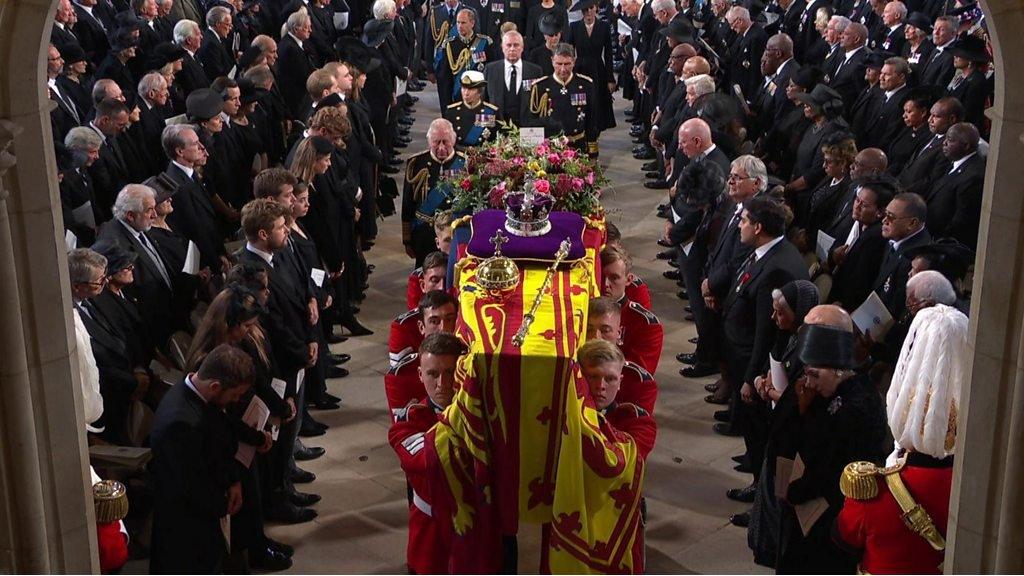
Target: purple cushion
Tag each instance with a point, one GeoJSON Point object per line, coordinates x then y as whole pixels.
{"type": "Point", "coordinates": [563, 225]}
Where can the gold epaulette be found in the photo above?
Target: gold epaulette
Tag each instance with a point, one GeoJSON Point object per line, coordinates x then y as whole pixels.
{"type": "Point", "coordinates": [859, 480]}
{"type": "Point", "coordinates": [585, 77]}
{"type": "Point", "coordinates": [489, 105]}
{"type": "Point", "coordinates": [455, 105]}
{"type": "Point", "coordinates": [111, 501]}
{"type": "Point", "coordinates": [461, 221]}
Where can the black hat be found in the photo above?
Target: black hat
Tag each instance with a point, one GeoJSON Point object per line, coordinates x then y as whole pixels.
{"type": "Point", "coordinates": [203, 104]}
{"type": "Point", "coordinates": [332, 99]}
{"type": "Point", "coordinates": [248, 58]}
{"type": "Point", "coordinates": [702, 182]}
{"type": "Point", "coordinates": [247, 91]}
{"type": "Point", "coordinates": [947, 256]}
{"type": "Point", "coordinates": [921, 21]}
{"type": "Point", "coordinates": [127, 21]}
{"type": "Point", "coordinates": [321, 145]}
{"type": "Point", "coordinates": [823, 346]}
{"type": "Point", "coordinates": [163, 185]}
{"type": "Point", "coordinates": [375, 31]}
{"type": "Point", "coordinates": [807, 77]}
{"type": "Point", "coordinates": [582, 5]}
{"type": "Point", "coordinates": [823, 98]}
{"type": "Point", "coordinates": [123, 41]}
{"type": "Point", "coordinates": [117, 257]}
{"type": "Point", "coordinates": [550, 24]}
{"type": "Point", "coordinates": [65, 159]}
{"type": "Point", "coordinates": [678, 30]}
{"type": "Point", "coordinates": [163, 54]}
{"type": "Point", "coordinates": [876, 60]}
{"type": "Point", "coordinates": [73, 53]}
{"type": "Point", "coordinates": [800, 296]}
{"type": "Point", "coordinates": [970, 47]}
{"type": "Point", "coordinates": [353, 51]}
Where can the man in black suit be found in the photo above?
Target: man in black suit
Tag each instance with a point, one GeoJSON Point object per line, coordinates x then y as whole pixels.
{"type": "Point", "coordinates": [509, 79]}
{"type": "Point", "coordinates": [856, 259]}
{"type": "Point", "coordinates": [883, 126]}
{"type": "Point", "coordinates": [195, 477]}
{"type": "Point", "coordinates": [954, 201]}
{"type": "Point", "coordinates": [213, 54]}
{"type": "Point", "coordinates": [110, 172]}
{"type": "Point", "coordinates": [939, 70]}
{"type": "Point", "coordinates": [193, 215]}
{"type": "Point", "coordinates": [834, 36]}
{"type": "Point", "coordinates": [191, 77]}
{"type": "Point", "coordinates": [929, 163]}
{"type": "Point", "coordinates": [91, 31]}
{"type": "Point", "coordinates": [747, 316]}
{"type": "Point", "coordinates": [806, 35]}
{"type": "Point", "coordinates": [891, 35]}
{"type": "Point", "coordinates": [746, 51]}
{"type": "Point", "coordinates": [848, 79]}
{"type": "Point", "coordinates": [903, 226]}
{"type": "Point", "coordinates": [295, 62]}
{"type": "Point", "coordinates": [61, 35]}
{"type": "Point", "coordinates": [66, 115]}
{"type": "Point", "coordinates": [770, 103]}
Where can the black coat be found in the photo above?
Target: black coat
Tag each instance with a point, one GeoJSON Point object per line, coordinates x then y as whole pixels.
{"type": "Point", "coordinates": [594, 59]}
{"type": "Point", "coordinates": [109, 173]}
{"type": "Point", "coordinates": [192, 468]}
{"type": "Point", "coordinates": [848, 80]}
{"type": "Point", "coordinates": [747, 311]}
{"type": "Point", "coordinates": [294, 65]}
{"type": "Point", "coordinates": [727, 254]}
{"type": "Point", "coordinates": [893, 273]}
{"type": "Point", "coordinates": [192, 76]}
{"type": "Point", "coordinates": [62, 38]}
{"type": "Point", "coordinates": [770, 102]}
{"type": "Point", "coordinates": [954, 202]}
{"type": "Point", "coordinates": [194, 217]}
{"type": "Point", "coordinates": [905, 146]}
{"type": "Point", "coordinates": [91, 34]}
{"type": "Point", "coordinates": [892, 41]}
{"type": "Point", "coordinates": [745, 54]}
{"type": "Point", "coordinates": [114, 362]}
{"type": "Point", "coordinates": [883, 127]}
{"type": "Point", "coordinates": [823, 206]}
{"type": "Point", "coordinates": [853, 280]}
{"type": "Point", "coordinates": [925, 167]}
{"type": "Point", "coordinates": [939, 70]}
{"type": "Point", "coordinates": [972, 91]}
{"type": "Point", "coordinates": [215, 57]}
{"type": "Point", "coordinates": [497, 93]}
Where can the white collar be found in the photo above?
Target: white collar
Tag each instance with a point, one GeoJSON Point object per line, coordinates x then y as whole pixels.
{"type": "Point", "coordinates": [889, 93]}
{"type": "Point", "coordinates": [297, 41]}
{"type": "Point", "coordinates": [267, 256]}
{"type": "Point", "coordinates": [896, 27]}
{"type": "Point", "coordinates": [960, 162]}
{"type": "Point", "coordinates": [854, 51]}
{"type": "Point", "coordinates": [135, 233]}
{"type": "Point", "coordinates": [944, 46]}
{"type": "Point", "coordinates": [760, 251]}
{"type": "Point", "coordinates": [88, 9]}
{"type": "Point", "coordinates": [52, 83]}
{"type": "Point", "coordinates": [188, 171]}
{"type": "Point", "coordinates": [897, 243]}
{"type": "Point", "coordinates": [192, 387]}
{"type": "Point", "coordinates": [518, 64]}
{"type": "Point", "coordinates": [103, 136]}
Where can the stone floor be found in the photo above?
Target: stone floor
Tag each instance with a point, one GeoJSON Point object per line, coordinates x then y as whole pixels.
{"type": "Point", "coordinates": [361, 526]}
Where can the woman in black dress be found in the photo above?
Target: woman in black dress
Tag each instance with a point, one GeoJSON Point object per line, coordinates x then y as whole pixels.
{"type": "Point", "coordinates": [780, 142]}
{"type": "Point", "coordinates": [533, 34]}
{"type": "Point", "coordinates": [824, 107]}
{"type": "Point", "coordinates": [592, 39]}
{"type": "Point", "coordinates": [915, 133]}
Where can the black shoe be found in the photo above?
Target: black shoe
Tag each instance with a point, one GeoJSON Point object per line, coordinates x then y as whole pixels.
{"type": "Point", "coordinates": [744, 468]}
{"type": "Point", "coordinates": [688, 317]}
{"type": "Point", "coordinates": [713, 387]}
{"type": "Point", "coordinates": [333, 338]}
{"type": "Point", "coordinates": [739, 459]}
{"type": "Point", "coordinates": [269, 560]}
{"type": "Point", "coordinates": [396, 161]}
{"type": "Point", "coordinates": [671, 274]}
{"type": "Point", "coordinates": [307, 453]}
{"type": "Point", "coordinates": [699, 370]}
{"type": "Point", "coordinates": [355, 328]}
{"type": "Point", "coordinates": [389, 170]}
{"type": "Point", "coordinates": [742, 519]}
{"type": "Point", "coordinates": [721, 415]}
{"type": "Point", "coordinates": [324, 404]}
{"type": "Point", "coordinates": [724, 429]}
{"type": "Point", "coordinates": [657, 185]}
{"type": "Point", "coordinates": [288, 513]}
{"type": "Point", "coordinates": [279, 547]}
{"type": "Point", "coordinates": [664, 244]}
{"type": "Point", "coordinates": [648, 166]}
{"type": "Point", "coordinates": [687, 358]}
{"type": "Point", "coordinates": [673, 264]}
{"type": "Point", "coordinates": [336, 372]}
{"type": "Point", "coordinates": [311, 431]}
{"type": "Point", "coordinates": [682, 295]}
{"type": "Point", "coordinates": [300, 476]}
{"type": "Point", "coordinates": [654, 175]}
{"type": "Point", "coordinates": [332, 397]}
{"type": "Point", "coordinates": [688, 310]}
{"type": "Point", "coordinates": [745, 495]}
{"type": "Point", "coordinates": [693, 340]}
{"type": "Point", "coordinates": [647, 154]}
{"type": "Point", "coordinates": [400, 145]}
{"type": "Point", "coordinates": [303, 499]}
{"type": "Point", "coordinates": [715, 399]}
{"type": "Point", "coordinates": [667, 255]}
{"type": "Point", "coordinates": [339, 359]}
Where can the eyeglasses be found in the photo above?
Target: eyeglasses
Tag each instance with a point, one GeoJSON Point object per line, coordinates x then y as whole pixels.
{"type": "Point", "coordinates": [99, 283]}
{"type": "Point", "coordinates": [737, 178]}
{"type": "Point", "coordinates": [893, 218]}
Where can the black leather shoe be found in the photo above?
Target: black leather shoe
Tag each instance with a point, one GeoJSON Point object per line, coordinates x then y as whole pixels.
{"type": "Point", "coordinates": [699, 371]}
{"type": "Point", "coordinates": [303, 499]}
{"type": "Point", "coordinates": [324, 404]}
{"type": "Point", "coordinates": [309, 453]}
{"type": "Point", "coordinates": [688, 317]}
{"type": "Point", "coordinates": [654, 175]}
{"type": "Point", "coordinates": [724, 429]}
{"type": "Point", "coordinates": [396, 162]}
{"type": "Point", "coordinates": [311, 431]}
{"type": "Point", "coordinates": [744, 468]}
{"type": "Point", "coordinates": [400, 145]}
{"type": "Point", "coordinates": [672, 264]}
{"type": "Point", "coordinates": [288, 513]}
{"type": "Point", "coordinates": [721, 415]}
{"type": "Point", "coordinates": [663, 243]}
{"type": "Point", "coordinates": [682, 295]}
{"type": "Point", "coordinates": [711, 387]}
{"type": "Point", "coordinates": [647, 154]}
{"type": "Point", "coordinates": [337, 372]}
{"type": "Point", "coordinates": [666, 255]}
{"type": "Point", "coordinates": [648, 166]}
{"type": "Point", "coordinates": [745, 495]}
{"type": "Point", "coordinates": [671, 274]}
{"type": "Point", "coordinates": [355, 328]}
{"type": "Point", "coordinates": [739, 459]}
{"type": "Point", "coordinates": [688, 310]}
{"type": "Point", "coordinates": [657, 185]}
{"type": "Point", "coordinates": [269, 560]}
{"type": "Point", "coordinates": [332, 397]}
{"type": "Point", "coordinates": [687, 358]}
{"type": "Point", "coordinates": [714, 399]}
{"type": "Point", "coordinates": [300, 476]}
{"type": "Point", "coordinates": [340, 359]}
{"type": "Point", "coordinates": [279, 547]}
{"type": "Point", "coordinates": [333, 338]}
{"type": "Point", "coordinates": [742, 519]}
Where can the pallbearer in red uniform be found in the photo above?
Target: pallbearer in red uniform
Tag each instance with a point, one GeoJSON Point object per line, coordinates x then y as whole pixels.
{"type": "Point", "coordinates": [895, 517]}
{"type": "Point", "coordinates": [426, 552]}
{"type": "Point", "coordinates": [642, 332]}
{"type": "Point", "coordinates": [638, 385]}
{"type": "Point", "coordinates": [436, 314]}
{"type": "Point", "coordinates": [636, 288]}
{"type": "Point", "coordinates": [428, 277]}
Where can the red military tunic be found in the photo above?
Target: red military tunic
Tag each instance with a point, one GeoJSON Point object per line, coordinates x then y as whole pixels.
{"type": "Point", "coordinates": [875, 527]}
{"type": "Point", "coordinates": [405, 337]}
{"type": "Point", "coordinates": [426, 552]}
{"type": "Point", "coordinates": [637, 387]}
{"type": "Point", "coordinates": [635, 422]}
{"type": "Point", "coordinates": [413, 292]}
{"type": "Point", "coordinates": [402, 384]}
{"type": "Point", "coordinates": [637, 291]}
{"type": "Point", "coordinates": [642, 335]}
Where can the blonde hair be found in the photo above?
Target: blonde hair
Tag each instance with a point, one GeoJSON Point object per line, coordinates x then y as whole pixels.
{"type": "Point", "coordinates": [596, 352]}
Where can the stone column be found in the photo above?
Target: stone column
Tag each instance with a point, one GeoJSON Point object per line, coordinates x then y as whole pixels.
{"type": "Point", "coordinates": [987, 507]}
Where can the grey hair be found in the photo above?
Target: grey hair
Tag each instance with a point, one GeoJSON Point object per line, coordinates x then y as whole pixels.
{"type": "Point", "coordinates": [82, 263]}
{"type": "Point", "coordinates": [899, 64]}
{"type": "Point", "coordinates": [99, 89]}
{"type": "Point", "coordinates": [932, 286]}
{"type": "Point", "coordinates": [841, 22]}
{"type": "Point", "coordinates": [702, 84]}
{"type": "Point", "coordinates": [173, 138]}
{"type": "Point", "coordinates": [822, 16]}
{"type": "Point", "coordinates": [657, 5]}
{"type": "Point", "coordinates": [564, 49]}
{"type": "Point", "coordinates": [82, 138]}
{"type": "Point", "coordinates": [151, 81]}
{"type": "Point", "coordinates": [517, 33]}
{"type": "Point", "coordinates": [184, 30]}
{"type": "Point", "coordinates": [901, 9]}
{"type": "Point", "coordinates": [298, 18]}
{"type": "Point", "coordinates": [755, 168]}
{"type": "Point", "coordinates": [470, 11]}
{"type": "Point", "coordinates": [738, 12]}
{"type": "Point", "coordinates": [437, 125]}
{"type": "Point", "coordinates": [216, 15]}
{"type": "Point", "coordinates": [263, 42]}
{"type": "Point", "coordinates": [131, 199]}
{"type": "Point", "coordinates": [381, 8]}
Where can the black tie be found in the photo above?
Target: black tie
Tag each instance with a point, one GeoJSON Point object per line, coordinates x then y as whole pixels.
{"type": "Point", "coordinates": [513, 87]}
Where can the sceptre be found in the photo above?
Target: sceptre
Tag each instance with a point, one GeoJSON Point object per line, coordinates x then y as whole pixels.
{"type": "Point", "coordinates": [524, 329]}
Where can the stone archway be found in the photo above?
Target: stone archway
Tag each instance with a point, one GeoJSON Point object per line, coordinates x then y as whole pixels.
{"type": "Point", "coordinates": [43, 475]}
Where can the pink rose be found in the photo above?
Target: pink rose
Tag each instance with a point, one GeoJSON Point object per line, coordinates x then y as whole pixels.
{"type": "Point", "coordinates": [590, 178]}
{"type": "Point", "coordinates": [577, 183]}
{"type": "Point", "coordinates": [553, 158]}
{"type": "Point", "coordinates": [542, 186]}
{"type": "Point", "coordinates": [518, 161]}
{"type": "Point", "coordinates": [568, 153]}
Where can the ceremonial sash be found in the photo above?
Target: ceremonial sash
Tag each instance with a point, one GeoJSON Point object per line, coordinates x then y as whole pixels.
{"type": "Point", "coordinates": [437, 197]}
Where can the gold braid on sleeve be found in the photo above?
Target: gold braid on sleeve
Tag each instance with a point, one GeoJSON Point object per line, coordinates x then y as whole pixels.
{"type": "Point", "coordinates": [538, 106]}
{"type": "Point", "coordinates": [419, 182]}
{"type": "Point", "coordinates": [461, 61]}
{"type": "Point", "coordinates": [437, 32]}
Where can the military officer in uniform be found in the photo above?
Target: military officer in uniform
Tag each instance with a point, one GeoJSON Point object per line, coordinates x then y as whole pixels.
{"type": "Point", "coordinates": [422, 196]}
{"type": "Point", "coordinates": [457, 53]}
{"type": "Point", "coordinates": [475, 121]}
{"type": "Point", "coordinates": [564, 103]}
